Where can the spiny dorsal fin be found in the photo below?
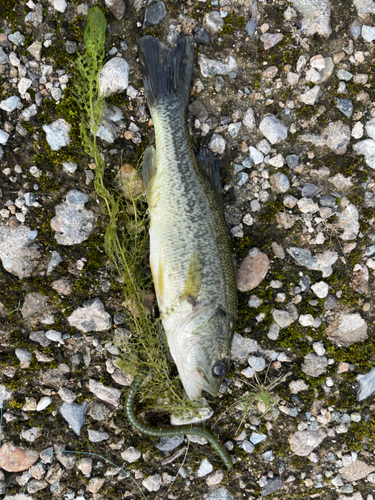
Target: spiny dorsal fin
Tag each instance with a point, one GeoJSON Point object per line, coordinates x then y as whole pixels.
{"type": "Point", "coordinates": [209, 166]}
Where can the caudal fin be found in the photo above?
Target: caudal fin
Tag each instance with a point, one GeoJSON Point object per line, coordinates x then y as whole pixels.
{"type": "Point", "coordinates": [166, 71]}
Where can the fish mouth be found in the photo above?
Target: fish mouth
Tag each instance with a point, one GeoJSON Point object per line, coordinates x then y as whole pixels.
{"type": "Point", "coordinates": [195, 387]}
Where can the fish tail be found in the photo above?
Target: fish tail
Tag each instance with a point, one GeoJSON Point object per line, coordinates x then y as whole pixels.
{"type": "Point", "coordinates": [166, 71]}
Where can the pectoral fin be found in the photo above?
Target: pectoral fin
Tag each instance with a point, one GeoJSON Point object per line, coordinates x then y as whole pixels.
{"type": "Point", "coordinates": [194, 277]}
{"type": "Point", "coordinates": [148, 166]}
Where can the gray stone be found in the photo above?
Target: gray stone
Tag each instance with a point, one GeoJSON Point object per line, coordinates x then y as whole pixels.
{"type": "Point", "coordinates": [257, 363]}
{"type": "Point", "coordinates": [314, 365]}
{"type": "Point", "coordinates": [217, 144]}
{"type": "Point", "coordinates": [69, 167]}
{"type": "Point", "coordinates": [320, 289]}
{"type": "Point", "coordinates": [370, 128]}
{"type": "Point", "coordinates": [43, 403]}
{"type": "Point", "coordinates": [66, 395]}
{"type": "Point", "coordinates": [155, 13]}
{"type": "Point", "coordinates": [273, 129]}
{"type": "Point", "coordinates": [35, 50]}
{"type": "Point", "coordinates": [321, 262]}
{"type": "Point", "coordinates": [310, 97]}
{"type": "Point", "coordinates": [28, 113]}
{"type": "Point", "coordinates": [302, 443]}
{"type": "Point", "coordinates": [364, 7]}
{"type": "Point", "coordinates": [201, 36]}
{"type": "Point", "coordinates": [256, 438]}
{"type": "Point", "coordinates": [347, 330]}
{"type": "Point", "coordinates": [114, 77]}
{"type": "Point", "coordinates": [211, 67]}
{"type": "Point", "coordinates": [268, 456]}
{"type": "Point", "coordinates": [251, 27]}
{"type": "Point", "coordinates": [70, 46]}
{"type": "Point", "coordinates": [342, 74]}
{"type": "Point", "coordinates": [242, 347]}
{"type": "Point", "coordinates": [57, 134]}
{"type": "Point", "coordinates": [274, 331]}
{"type": "Point", "coordinates": [256, 155]}
{"type": "Point", "coordinates": [336, 136]}
{"type": "Point", "coordinates": [234, 128]}
{"type": "Point", "coordinates": [345, 106]}
{"type": "Point", "coordinates": [10, 104]}
{"type": "Point", "coordinates": [116, 7]}
{"type": "Point", "coordinates": [54, 262]}
{"type": "Point", "coordinates": [97, 436]}
{"type": "Point", "coordinates": [279, 183]}
{"type": "Point", "coordinates": [53, 335]}
{"type": "Point", "coordinates": [368, 33]}
{"type": "Point", "coordinates": [204, 468]}
{"type": "Point", "coordinates": [107, 394]}
{"type": "Point", "coordinates": [247, 446]}
{"type": "Point", "coordinates": [40, 337]}
{"type": "Point", "coordinates": [152, 483]}
{"type": "Point", "coordinates": [91, 317]}
{"type": "Point", "coordinates": [213, 22]}
{"type": "Point", "coordinates": [348, 220]}
{"type": "Point", "coordinates": [249, 119]}
{"type": "Point", "coordinates": [5, 394]}
{"type": "Point", "coordinates": [282, 318]}
{"type": "Point", "coordinates": [4, 59]}
{"type": "Point", "coordinates": [273, 485]}
{"type": "Point", "coordinates": [19, 254]}
{"type": "Point", "coordinates": [366, 385]}
{"type": "Point", "coordinates": [220, 494]}
{"type": "Point", "coordinates": [316, 16]}
{"type": "Point", "coordinates": [292, 160]}
{"type": "Point", "coordinates": [74, 414]}
{"type": "Point", "coordinates": [131, 455]}
{"type": "Point", "coordinates": [167, 444]}
{"type": "Point", "coordinates": [4, 136]}
{"type": "Point", "coordinates": [72, 223]}
{"type": "Point", "coordinates": [36, 16]}
{"type": "Point", "coordinates": [17, 38]}
{"type": "Point", "coordinates": [271, 39]}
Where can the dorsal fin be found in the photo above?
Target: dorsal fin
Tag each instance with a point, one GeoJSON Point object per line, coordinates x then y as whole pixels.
{"type": "Point", "coordinates": [209, 166]}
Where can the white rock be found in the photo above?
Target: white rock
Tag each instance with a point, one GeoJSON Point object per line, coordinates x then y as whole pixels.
{"type": "Point", "coordinates": [57, 134]}
{"type": "Point", "coordinates": [370, 128]}
{"type": "Point", "coordinates": [204, 468]}
{"type": "Point", "coordinates": [3, 137]}
{"type": "Point", "coordinates": [310, 96]}
{"type": "Point", "coordinates": [368, 33]}
{"type": "Point", "coordinates": [91, 317]}
{"type": "Point", "coordinates": [10, 104]}
{"type": "Point", "coordinates": [249, 119]}
{"type": "Point", "coordinates": [256, 155]}
{"type": "Point", "coordinates": [217, 144]}
{"type": "Point", "coordinates": [357, 130]}
{"type": "Point", "coordinates": [114, 77]}
{"type": "Point", "coordinates": [59, 5]}
{"type": "Point", "coordinates": [273, 129]}
{"type": "Point", "coordinates": [320, 289]}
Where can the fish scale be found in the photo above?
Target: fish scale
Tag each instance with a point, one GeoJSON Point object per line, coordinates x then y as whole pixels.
{"type": "Point", "coordinates": [190, 253]}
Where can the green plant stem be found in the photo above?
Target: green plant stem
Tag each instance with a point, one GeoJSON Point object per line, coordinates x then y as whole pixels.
{"type": "Point", "coordinates": [171, 431]}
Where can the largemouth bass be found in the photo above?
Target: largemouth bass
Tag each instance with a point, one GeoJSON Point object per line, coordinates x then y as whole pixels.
{"type": "Point", "coordinates": [190, 253]}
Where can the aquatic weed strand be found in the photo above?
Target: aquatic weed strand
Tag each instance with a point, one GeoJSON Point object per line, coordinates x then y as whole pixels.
{"type": "Point", "coordinates": [170, 431]}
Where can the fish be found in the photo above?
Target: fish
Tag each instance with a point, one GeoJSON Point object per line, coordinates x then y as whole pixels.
{"type": "Point", "coordinates": [190, 254]}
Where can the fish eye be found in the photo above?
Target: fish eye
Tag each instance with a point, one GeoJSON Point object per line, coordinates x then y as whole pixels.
{"type": "Point", "coordinates": [219, 369]}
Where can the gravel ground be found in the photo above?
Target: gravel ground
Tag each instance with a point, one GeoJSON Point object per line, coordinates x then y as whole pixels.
{"type": "Point", "coordinates": [282, 93]}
